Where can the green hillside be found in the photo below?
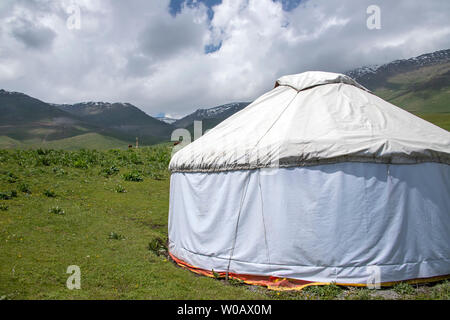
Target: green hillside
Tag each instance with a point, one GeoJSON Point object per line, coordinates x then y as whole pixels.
{"type": "Point", "coordinates": [440, 119]}
{"type": "Point", "coordinates": [29, 122]}
{"type": "Point", "coordinates": [9, 143]}
{"type": "Point", "coordinates": [426, 90]}
{"type": "Point", "coordinates": [124, 119]}
{"type": "Point", "coordinates": [88, 141]}
{"type": "Point", "coordinates": [18, 108]}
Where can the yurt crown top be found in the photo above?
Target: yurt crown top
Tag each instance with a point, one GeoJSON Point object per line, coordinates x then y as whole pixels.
{"type": "Point", "coordinates": [310, 79]}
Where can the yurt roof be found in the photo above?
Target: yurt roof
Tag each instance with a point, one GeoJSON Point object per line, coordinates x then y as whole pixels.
{"type": "Point", "coordinates": [315, 118]}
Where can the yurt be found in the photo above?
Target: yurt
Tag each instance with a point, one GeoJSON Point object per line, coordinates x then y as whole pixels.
{"type": "Point", "coordinates": [317, 181]}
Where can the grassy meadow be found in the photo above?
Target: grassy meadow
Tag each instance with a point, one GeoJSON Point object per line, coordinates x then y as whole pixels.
{"type": "Point", "coordinates": [89, 140]}
{"type": "Point", "coordinates": [106, 212]}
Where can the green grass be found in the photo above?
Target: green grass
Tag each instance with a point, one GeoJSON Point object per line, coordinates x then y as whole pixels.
{"type": "Point", "coordinates": [41, 236]}
{"type": "Point", "coordinates": [325, 292]}
{"type": "Point", "coordinates": [440, 119]}
{"type": "Point", "coordinates": [403, 288]}
{"type": "Point", "coordinates": [117, 238]}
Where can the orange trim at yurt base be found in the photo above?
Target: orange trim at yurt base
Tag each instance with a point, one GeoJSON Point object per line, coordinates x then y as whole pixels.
{"type": "Point", "coordinates": [284, 284]}
{"type": "Point", "coordinates": [273, 283]}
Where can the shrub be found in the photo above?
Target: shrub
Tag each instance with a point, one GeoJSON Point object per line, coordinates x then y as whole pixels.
{"type": "Point", "coordinates": [120, 189]}
{"type": "Point", "coordinates": [8, 195]}
{"type": "Point", "coordinates": [107, 172]}
{"type": "Point", "coordinates": [216, 275]}
{"type": "Point", "coordinates": [81, 164]}
{"type": "Point", "coordinates": [157, 246]}
{"type": "Point", "coordinates": [41, 151]}
{"type": "Point", "coordinates": [116, 236]}
{"type": "Point", "coordinates": [403, 288]}
{"type": "Point", "coordinates": [56, 210]}
{"type": "Point", "coordinates": [235, 282]}
{"type": "Point", "coordinates": [359, 294]}
{"type": "Point", "coordinates": [50, 193]}
{"type": "Point", "coordinates": [133, 176]}
{"type": "Point", "coordinates": [44, 161]}
{"type": "Point", "coordinates": [440, 291]}
{"type": "Point", "coordinates": [59, 171]}
{"type": "Point", "coordinates": [11, 177]}
{"type": "Point", "coordinates": [330, 291]}
{"type": "Point", "coordinates": [3, 207]}
{"type": "Point", "coordinates": [23, 187]}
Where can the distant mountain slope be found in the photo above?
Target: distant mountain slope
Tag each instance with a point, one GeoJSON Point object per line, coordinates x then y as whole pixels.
{"type": "Point", "coordinates": [121, 117]}
{"type": "Point", "coordinates": [27, 121]}
{"type": "Point", "coordinates": [18, 108]}
{"type": "Point", "coordinates": [91, 140]}
{"type": "Point", "coordinates": [212, 116]}
{"type": "Point", "coordinates": [419, 85]}
{"type": "Point", "coordinates": [373, 77]}
{"type": "Point", "coordinates": [25, 118]}
{"type": "Point", "coordinates": [166, 119]}
{"type": "Point", "coordinates": [9, 143]}
{"type": "Point", "coordinates": [425, 90]}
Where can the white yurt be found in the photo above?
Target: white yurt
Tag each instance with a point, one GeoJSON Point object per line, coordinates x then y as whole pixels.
{"type": "Point", "coordinates": [317, 181]}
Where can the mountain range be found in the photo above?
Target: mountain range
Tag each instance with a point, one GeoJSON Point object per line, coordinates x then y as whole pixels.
{"type": "Point", "coordinates": [166, 119]}
{"type": "Point", "coordinates": [377, 76]}
{"type": "Point", "coordinates": [420, 85]}
{"type": "Point", "coordinates": [26, 121]}
{"type": "Point", "coordinates": [209, 117]}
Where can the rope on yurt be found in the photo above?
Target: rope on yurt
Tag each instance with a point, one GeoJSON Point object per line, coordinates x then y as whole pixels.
{"type": "Point", "coordinates": [237, 222]}
{"type": "Point", "coordinates": [275, 121]}
{"type": "Point", "coordinates": [262, 214]}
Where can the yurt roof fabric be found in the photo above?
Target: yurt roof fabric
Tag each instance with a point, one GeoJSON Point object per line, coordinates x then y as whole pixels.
{"type": "Point", "coordinates": [315, 118]}
{"type": "Point", "coordinates": [308, 80]}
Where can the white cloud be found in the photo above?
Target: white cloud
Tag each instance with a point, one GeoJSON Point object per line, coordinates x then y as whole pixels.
{"type": "Point", "coordinates": [135, 51]}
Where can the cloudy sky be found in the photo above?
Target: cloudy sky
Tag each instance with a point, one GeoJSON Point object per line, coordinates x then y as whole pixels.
{"type": "Point", "coordinates": [174, 56]}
